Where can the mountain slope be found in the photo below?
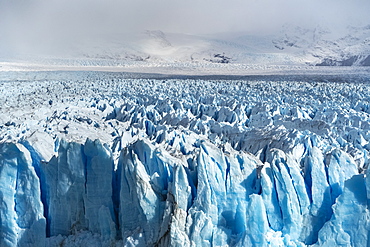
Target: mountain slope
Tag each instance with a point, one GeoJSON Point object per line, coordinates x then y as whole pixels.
{"type": "Point", "coordinates": [325, 47]}
{"type": "Point", "coordinates": [293, 46]}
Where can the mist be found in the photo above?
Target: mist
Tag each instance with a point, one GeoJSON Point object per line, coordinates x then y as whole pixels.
{"type": "Point", "coordinates": [36, 26]}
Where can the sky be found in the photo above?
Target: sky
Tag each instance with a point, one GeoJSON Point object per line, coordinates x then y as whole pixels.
{"type": "Point", "coordinates": [35, 25]}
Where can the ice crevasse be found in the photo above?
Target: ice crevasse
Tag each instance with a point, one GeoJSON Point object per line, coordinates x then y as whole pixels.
{"type": "Point", "coordinates": [257, 164]}
{"type": "Point", "coordinates": [203, 196]}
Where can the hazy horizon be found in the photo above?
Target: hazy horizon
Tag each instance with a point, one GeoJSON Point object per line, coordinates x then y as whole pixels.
{"type": "Point", "coordinates": [41, 25]}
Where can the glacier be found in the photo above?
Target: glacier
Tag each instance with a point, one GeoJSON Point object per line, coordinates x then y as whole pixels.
{"type": "Point", "coordinates": [102, 159]}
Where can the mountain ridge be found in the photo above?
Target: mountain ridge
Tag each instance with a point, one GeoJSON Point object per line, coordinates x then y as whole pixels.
{"type": "Point", "coordinates": [292, 46]}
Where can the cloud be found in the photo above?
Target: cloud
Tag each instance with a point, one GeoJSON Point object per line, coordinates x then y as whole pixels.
{"type": "Point", "coordinates": [49, 25]}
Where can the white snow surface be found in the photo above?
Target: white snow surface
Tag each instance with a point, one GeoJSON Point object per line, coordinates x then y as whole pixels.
{"type": "Point", "coordinates": [92, 158]}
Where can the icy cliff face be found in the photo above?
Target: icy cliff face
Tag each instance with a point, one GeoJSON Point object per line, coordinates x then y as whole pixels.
{"type": "Point", "coordinates": [184, 162]}
{"type": "Point", "coordinates": [22, 221]}
{"type": "Point", "coordinates": [77, 188]}
{"type": "Point", "coordinates": [207, 197]}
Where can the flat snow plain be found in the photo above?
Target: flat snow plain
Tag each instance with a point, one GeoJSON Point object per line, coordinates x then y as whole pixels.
{"type": "Point", "coordinates": [273, 158]}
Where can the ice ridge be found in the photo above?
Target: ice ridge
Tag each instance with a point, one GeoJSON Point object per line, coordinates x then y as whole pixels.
{"type": "Point", "coordinates": [197, 163]}
{"type": "Point", "coordinates": [208, 197]}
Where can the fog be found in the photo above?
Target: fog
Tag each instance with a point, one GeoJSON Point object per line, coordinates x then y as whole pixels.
{"type": "Point", "coordinates": [28, 26]}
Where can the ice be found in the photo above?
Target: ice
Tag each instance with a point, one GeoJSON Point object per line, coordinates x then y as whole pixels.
{"type": "Point", "coordinates": [142, 202]}
{"type": "Point", "coordinates": [77, 190]}
{"type": "Point", "coordinates": [114, 161]}
{"type": "Point", "coordinates": [98, 203]}
{"type": "Point", "coordinates": [257, 221]}
{"type": "Point", "coordinates": [349, 223]}
{"type": "Point", "coordinates": [318, 192]}
{"type": "Point", "coordinates": [22, 220]}
{"type": "Point", "coordinates": [287, 195]}
{"type": "Point", "coordinates": [341, 167]}
{"type": "Point", "coordinates": [270, 198]}
{"type": "Point", "coordinates": [181, 189]}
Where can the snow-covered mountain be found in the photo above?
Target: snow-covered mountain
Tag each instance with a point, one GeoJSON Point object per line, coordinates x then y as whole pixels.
{"type": "Point", "coordinates": [292, 46]}
{"type": "Point", "coordinates": [155, 48]}
{"type": "Point", "coordinates": [323, 47]}
{"type": "Point", "coordinates": [117, 159]}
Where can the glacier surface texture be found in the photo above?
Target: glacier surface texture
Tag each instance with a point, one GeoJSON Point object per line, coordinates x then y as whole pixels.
{"type": "Point", "coordinates": [98, 159]}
